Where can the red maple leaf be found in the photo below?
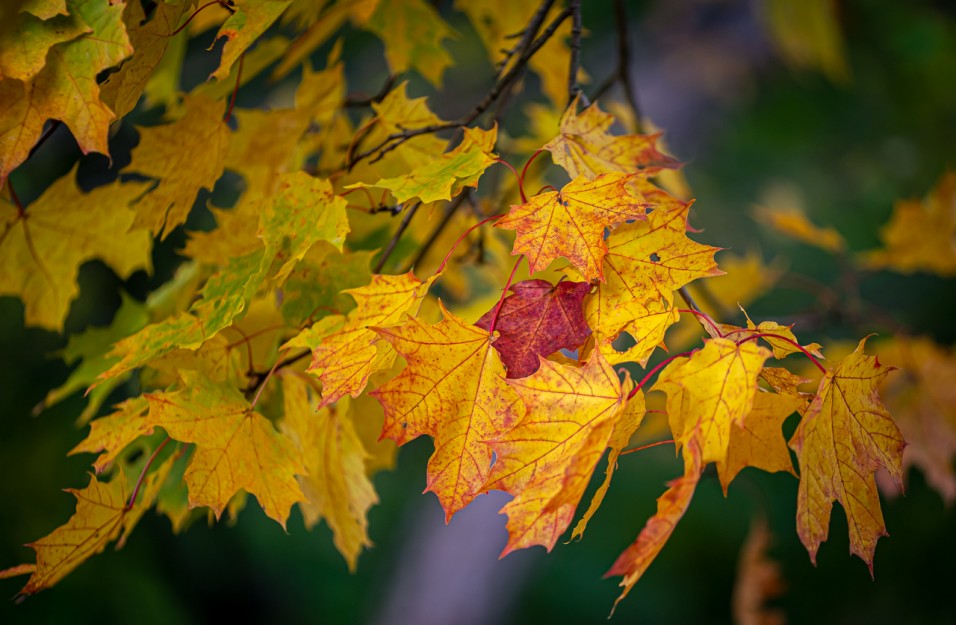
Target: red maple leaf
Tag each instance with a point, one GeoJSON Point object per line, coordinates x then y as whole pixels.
{"type": "Point", "coordinates": [538, 319]}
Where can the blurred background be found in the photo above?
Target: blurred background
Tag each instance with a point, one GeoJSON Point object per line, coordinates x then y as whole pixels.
{"type": "Point", "coordinates": [840, 116]}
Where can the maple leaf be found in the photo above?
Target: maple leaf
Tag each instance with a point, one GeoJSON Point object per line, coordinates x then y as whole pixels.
{"type": "Point", "coordinates": [538, 319]}
{"type": "Point", "coordinates": [412, 32]}
{"type": "Point", "coordinates": [26, 42]}
{"type": "Point", "coordinates": [453, 389]}
{"type": "Point", "coordinates": [621, 435]}
{"type": "Point", "coordinates": [101, 517]}
{"type": "Point", "coordinates": [546, 460]}
{"type": "Point", "coordinates": [249, 21]}
{"type": "Point", "coordinates": [793, 223]}
{"type": "Point", "coordinates": [759, 580]}
{"type": "Point", "coordinates": [846, 435]}
{"type": "Point", "coordinates": [319, 284]}
{"type": "Point", "coordinates": [113, 433]}
{"type": "Point", "coordinates": [570, 223]}
{"type": "Point", "coordinates": [444, 177]}
{"type": "Point", "coordinates": [496, 22]}
{"type": "Point", "coordinates": [349, 351]}
{"type": "Point", "coordinates": [919, 235]}
{"type": "Point", "coordinates": [709, 392]}
{"type": "Point", "coordinates": [65, 88]}
{"type": "Point", "coordinates": [91, 348]}
{"type": "Point", "coordinates": [44, 9]}
{"type": "Point", "coordinates": [303, 212]}
{"type": "Point", "coordinates": [57, 233]}
{"type": "Point", "coordinates": [923, 403]}
{"type": "Point", "coordinates": [149, 39]}
{"type": "Point", "coordinates": [759, 442]}
{"type": "Point", "coordinates": [236, 447]}
{"type": "Point", "coordinates": [183, 156]}
{"type": "Point", "coordinates": [335, 485]}
{"type": "Point", "coordinates": [224, 298]}
{"type": "Point", "coordinates": [585, 148]}
{"type": "Point", "coordinates": [646, 261]}
{"type": "Point", "coordinates": [671, 506]}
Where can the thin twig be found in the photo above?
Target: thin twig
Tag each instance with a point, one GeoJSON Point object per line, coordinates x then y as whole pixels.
{"type": "Point", "coordinates": [624, 62]}
{"type": "Point", "coordinates": [575, 48]}
{"type": "Point", "coordinates": [355, 101]}
{"type": "Point", "coordinates": [396, 139]}
{"type": "Point", "coordinates": [395, 237]}
{"type": "Point", "coordinates": [450, 210]}
{"type": "Point", "coordinates": [527, 35]}
{"type": "Point", "coordinates": [142, 475]}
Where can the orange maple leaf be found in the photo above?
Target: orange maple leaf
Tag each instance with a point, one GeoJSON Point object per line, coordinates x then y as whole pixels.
{"type": "Point", "coordinates": [453, 390]}
{"type": "Point", "coordinates": [345, 358]}
{"type": "Point", "coordinates": [846, 435]}
{"type": "Point", "coordinates": [671, 506]}
{"type": "Point", "coordinates": [570, 223]}
{"type": "Point", "coordinates": [547, 459]}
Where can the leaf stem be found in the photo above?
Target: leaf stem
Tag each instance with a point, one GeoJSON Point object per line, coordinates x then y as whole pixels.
{"type": "Point", "coordinates": [504, 293]}
{"type": "Point", "coordinates": [657, 368]}
{"type": "Point", "coordinates": [395, 237]}
{"type": "Point", "coordinates": [235, 90]}
{"type": "Point", "coordinates": [524, 198]}
{"type": "Point", "coordinates": [702, 315]}
{"type": "Point", "coordinates": [255, 400]}
{"type": "Point", "coordinates": [762, 335]}
{"type": "Point", "coordinates": [441, 267]}
{"type": "Point", "coordinates": [221, 3]}
{"type": "Point", "coordinates": [142, 475]}
{"type": "Point", "coordinates": [648, 446]}
{"type": "Point", "coordinates": [450, 210]}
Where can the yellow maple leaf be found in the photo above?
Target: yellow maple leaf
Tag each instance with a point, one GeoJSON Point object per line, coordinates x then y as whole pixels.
{"type": "Point", "coordinates": [584, 147]}
{"type": "Point", "coordinates": [335, 484]}
{"type": "Point", "coordinates": [236, 447]}
{"type": "Point", "coordinates": [807, 33]}
{"type": "Point", "coordinates": [349, 351]}
{"type": "Point", "coordinates": [43, 247]}
{"type": "Point", "coordinates": [846, 435]}
{"type": "Point", "coordinates": [122, 89]}
{"type": "Point", "coordinates": [920, 235]}
{"type": "Point", "coordinates": [646, 261]}
{"type": "Point", "coordinates": [263, 146]}
{"type": "Point", "coordinates": [759, 580]}
{"type": "Point", "coordinates": [111, 434]}
{"type": "Point", "coordinates": [65, 88]}
{"type": "Point", "coordinates": [792, 222]}
{"type": "Point", "coordinates": [922, 400]}
{"type": "Point", "coordinates": [25, 42]}
{"type": "Point", "coordinates": [412, 32]}
{"type": "Point", "coordinates": [570, 223]}
{"type": "Point", "coordinates": [445, 176]}
{"type": "Point", "coordinates": [624, 429]}
{"type": "Point", "coordinates": [453, 390]}
{"type": "Point", "coordinates": [184, 156]}
{"type": "Point", "coordinates": [710, 391]}
{"type": "Point", "coordinates": [102, 515]}
{"type": "Point", "coordinates": [547, 459]}
{"type": "Point", "coordinates": [759, 442]}
{"type": "Point", "coordinates": [247, 23]}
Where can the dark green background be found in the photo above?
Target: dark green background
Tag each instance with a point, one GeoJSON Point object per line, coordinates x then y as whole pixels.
{"type": "Point", "coordinates": [851, 150]}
